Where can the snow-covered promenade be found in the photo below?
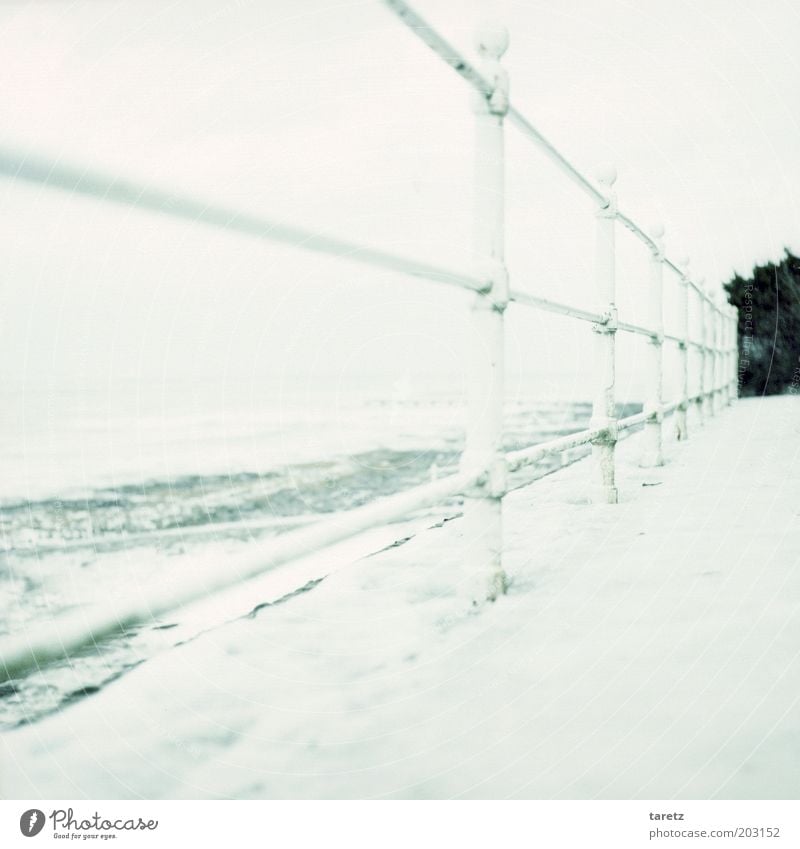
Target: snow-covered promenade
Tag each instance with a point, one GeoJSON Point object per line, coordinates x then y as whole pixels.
{"type": "Point", "coordinates": [649, 649]}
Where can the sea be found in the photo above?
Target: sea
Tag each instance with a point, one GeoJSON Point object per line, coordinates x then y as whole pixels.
{"type": "Point", "coordinates": [112, 482]}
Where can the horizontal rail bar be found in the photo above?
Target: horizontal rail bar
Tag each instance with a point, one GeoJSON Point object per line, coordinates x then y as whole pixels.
{"type": "Point", "coordinates": [440, 45]}
{"type": "Point", "coordinates": [528, 299]}
{"type": "Point", "coordinates": [669, 408]}
{"type": "Point", "coordinates": [681, 341]}
{"type": "Point", "coordinates": [702, 292]}
{"type": "Point", "coordinates": [92, 184]}
{"type": "Point", "coordinates": [634, 328]}
{"type": "Point", "coordinates": [526, 456]}
{"type": "Point", "coordinates": [643, 331]}
{"type": "Point", "coordinates": [523, 124]}
{"type": "Point", "coordinates": [637, 231]}
{"type": "Point", "coordinates": [641, 418]}
{"type": "Point", "coordinates": [632, 421]}
{"type": "Point", "coordinates": [553, 306]}
{"type": "Point", "coordinates": [69, 634]}
{"type": "Point", "coordinates": [517, 460]}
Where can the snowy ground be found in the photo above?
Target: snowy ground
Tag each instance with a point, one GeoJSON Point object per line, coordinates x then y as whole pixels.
{"type": "Point", "coordinates": [649, 649]}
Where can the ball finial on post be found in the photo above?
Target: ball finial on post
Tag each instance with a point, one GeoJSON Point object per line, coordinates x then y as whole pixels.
{"type": "Point", "coordinates": [606, 174]}
{"type": "Point", "coordinates": [491, 42]}
{"type": "Point", "coordinates": [491, 39]}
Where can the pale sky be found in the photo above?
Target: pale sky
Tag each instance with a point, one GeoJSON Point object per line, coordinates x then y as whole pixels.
{"type": "Point", "coordinates": [334, 116]}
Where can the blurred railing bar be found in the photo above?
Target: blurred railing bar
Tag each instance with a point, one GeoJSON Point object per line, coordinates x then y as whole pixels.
{"type": "Point", "coordinates": [68, 634]}
{"type": "Point", "coordinates": [92, 184]}
{"type": "Point", "coordinates": [83, 182]}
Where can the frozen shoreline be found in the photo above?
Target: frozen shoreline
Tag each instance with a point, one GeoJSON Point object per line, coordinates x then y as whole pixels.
{"type": "Point", "coordinates": [646, 650]}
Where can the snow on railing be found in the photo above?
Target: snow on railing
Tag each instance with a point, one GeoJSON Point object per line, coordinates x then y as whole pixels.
{"type": "Point", "coordinates": [484, 468]}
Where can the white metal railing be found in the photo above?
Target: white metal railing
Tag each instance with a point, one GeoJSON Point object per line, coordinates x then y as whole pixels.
{"type": "Point", "coordinates": [484, 467]}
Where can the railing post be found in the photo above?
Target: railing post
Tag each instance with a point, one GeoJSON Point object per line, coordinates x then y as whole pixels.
{"type": "Point", "coordinates": [705, 355]}
{"type": "Point", "coordinates": [701, 350]}
{"type": "Point", "coordinates": [652, 454]}
{"type": "Point", "coordinates": [712, 317]}
{"type": "Point", "coordinates": [726, 356]}
{"type": "Point", "coordinates": [709, 378]}
{"type": "Point", "coordinates": [681, 414]}
{"type": "Point", "coordinates": [733, 375]}
{"type": "Point", "coordinates": [724, 352]}
{"type": "Point", "coordinates": [604, 409]}
{"type": "Point", "coordinates": [716, 398]}
{"type": "Point", "coordinates": [484, 443]}
{"type": "Point", "coordinates": [711, 348]}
